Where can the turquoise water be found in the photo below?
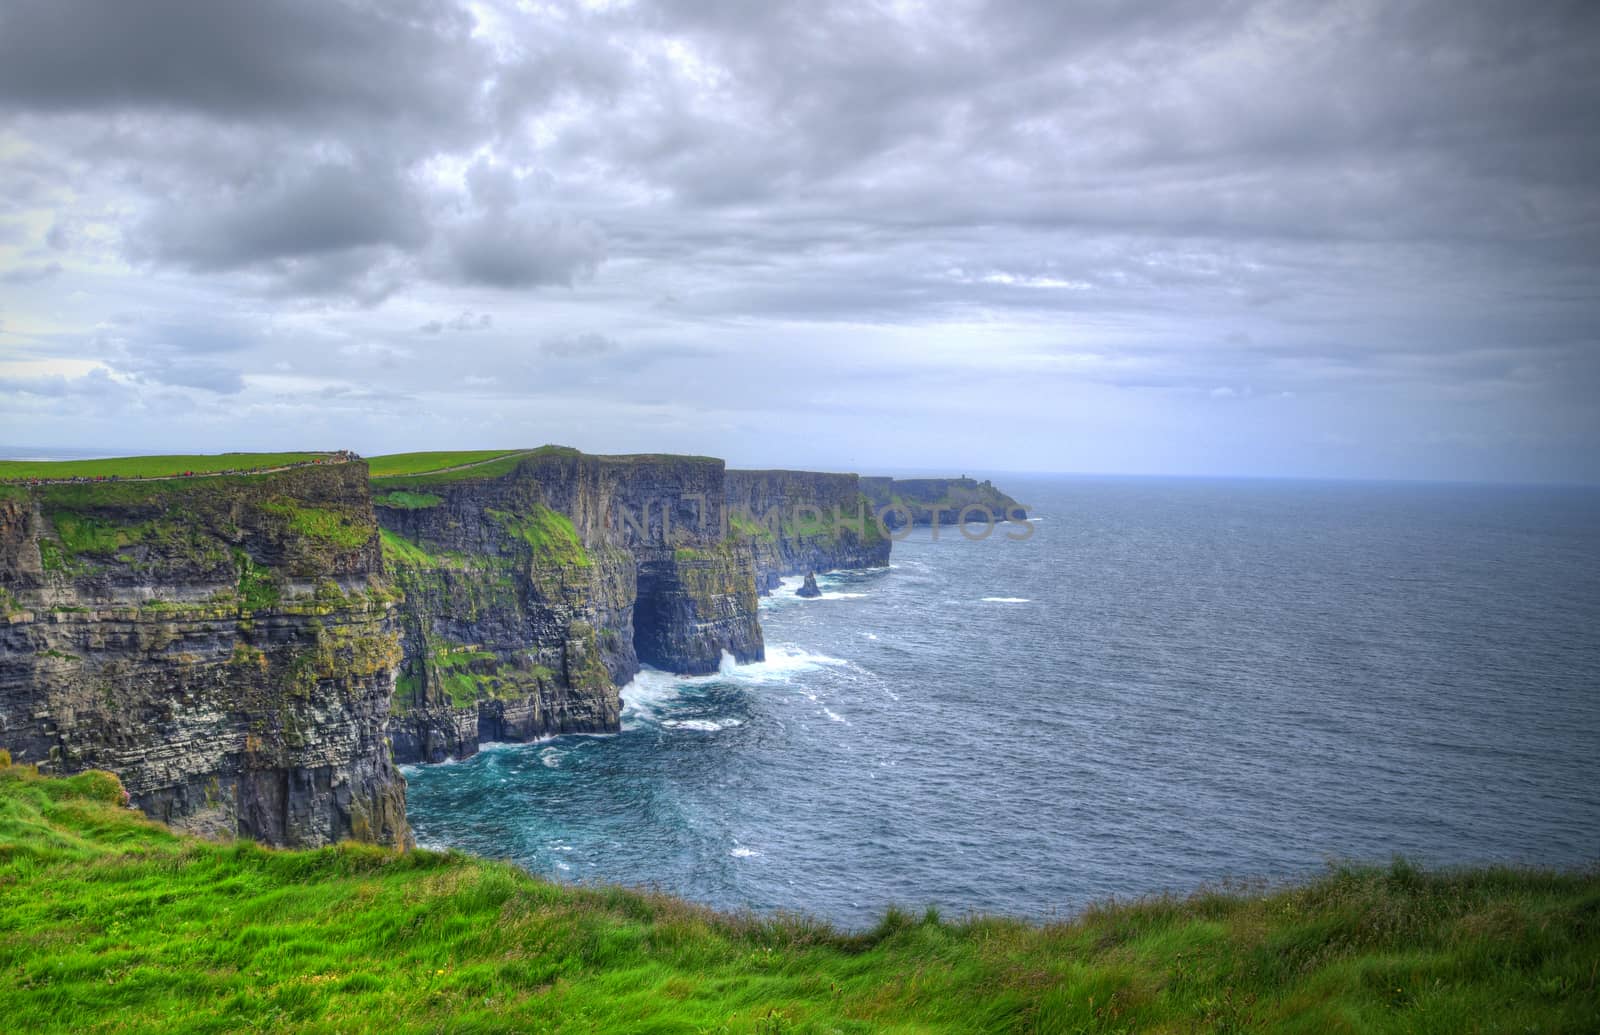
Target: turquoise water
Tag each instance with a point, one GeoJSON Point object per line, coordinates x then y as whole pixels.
{"type": "Point", "coordinates": [1172, 682]}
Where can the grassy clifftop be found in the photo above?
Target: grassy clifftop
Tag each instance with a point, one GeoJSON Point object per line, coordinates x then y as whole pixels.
{"type": "Point", "coordinates": [111, 923]}
{"type": "Point", "coordinates": [155, 466]}
{"type": "Point", "coordinates": [408, 471]}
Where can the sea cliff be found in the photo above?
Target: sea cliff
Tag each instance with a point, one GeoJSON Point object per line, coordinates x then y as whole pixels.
{"type": "Point", "coordinates": [226, 645]}
{"type": "Point", "coordinates": [799, 522]}
{"type": "Point", "coordinates": [535, 584]}
{"type": "Point", "coordinates": [922, 501]}
{"type": "Point", "coordinates": [254, 644]}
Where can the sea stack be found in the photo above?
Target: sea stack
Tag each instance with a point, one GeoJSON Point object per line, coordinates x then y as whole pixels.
{"type": "Point", "coordinates": [810, 588]}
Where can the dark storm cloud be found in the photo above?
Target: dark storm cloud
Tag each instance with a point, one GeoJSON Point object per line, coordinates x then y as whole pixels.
{"type": "Point", "coordinates": [288, 61]}
{"type": "Point", "coordinates": [325, 209]}
{"type": "Point", "coordinates": [1383, 203]}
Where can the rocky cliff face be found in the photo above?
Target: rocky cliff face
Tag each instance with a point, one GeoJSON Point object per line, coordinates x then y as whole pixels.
{"type": "Point", "coordinates": [798, 522]}
{"type": "Point", "coordinates": [226, 645]}
{"type": "Point", "coordinates": [536, 585]}
{"type": "Point", "coordinates": [918, 501]}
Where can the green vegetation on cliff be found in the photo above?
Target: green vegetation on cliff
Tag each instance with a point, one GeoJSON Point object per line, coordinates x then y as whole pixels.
{"type": "Point", "coordinates": [463, 675]}
{"type": "Point", "coordinates": [151, 466]}
{"type": "Point", "coordinates": [111, 923]}
{"type": "Point", "coordinates": [402, 500]}
{"type": "Point", "coordinates": [347, 528]}
{"type": "Point", "coordinates": [400, 552]}
{"type": "Point", "coordinates": [549, 533]}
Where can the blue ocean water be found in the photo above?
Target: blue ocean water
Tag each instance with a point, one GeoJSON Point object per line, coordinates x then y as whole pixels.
{"type": "Point", "coordinates": [1170, 683]}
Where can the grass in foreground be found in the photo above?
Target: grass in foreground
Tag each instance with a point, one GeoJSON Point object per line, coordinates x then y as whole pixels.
{"type": "Point", "coordinates": [112, 923]}
{"type": "Point", "coordinates": [149, 466]}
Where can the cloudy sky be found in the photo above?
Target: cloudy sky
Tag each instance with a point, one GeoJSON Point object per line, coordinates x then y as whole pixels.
{"type": "Point", "coordinates": [1355, 239]}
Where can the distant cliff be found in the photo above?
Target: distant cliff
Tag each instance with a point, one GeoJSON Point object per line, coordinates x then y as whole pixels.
{"type": "Point", "coordinates": [923, 499]}
{"type": "Point", "coordinates": [797, 522]}
{"type": "Point", "coordinates": [535, 584]}
{"type": "Point", "coordinates": [226, 645]}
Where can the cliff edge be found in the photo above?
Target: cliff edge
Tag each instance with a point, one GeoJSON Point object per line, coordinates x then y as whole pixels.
{"type": "Point", "coordinates": [537, 582]}
{"type": "Point", "coordinates": [225, 644]}
{"type": "Point", "coordinates": [922, 501]}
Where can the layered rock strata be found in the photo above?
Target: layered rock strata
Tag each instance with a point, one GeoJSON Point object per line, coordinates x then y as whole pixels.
{"type": "Point", "coordinates": [225, 645]}
{"type": "Point", "coordinates": [536, 586]}
{"type": "Point", "coordinates": [922, 501]}
{"type": "Point", "coordinates": [797, 522]}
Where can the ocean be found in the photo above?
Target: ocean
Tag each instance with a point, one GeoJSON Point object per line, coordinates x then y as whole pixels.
{"type": "Point", "coordinates": [1170, 683]}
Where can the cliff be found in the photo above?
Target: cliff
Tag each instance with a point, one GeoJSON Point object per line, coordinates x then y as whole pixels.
{"type": "Point", "coordinates": [798, 522]}
{"type": "Point", "coordinates": [226, 645]}
{"type": "Point", "coordinates": [918, 501]}
{"type": "Point", "coordinates": [243, 646]}
{"type": "Point", "coordinates": [536, 583]}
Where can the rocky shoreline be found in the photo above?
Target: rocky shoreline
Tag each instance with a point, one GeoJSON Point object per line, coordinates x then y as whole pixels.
{"type": "Point", "coordinates": [254, 654]}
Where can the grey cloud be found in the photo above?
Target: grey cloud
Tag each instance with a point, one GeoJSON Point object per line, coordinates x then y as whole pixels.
{"type": "Point", "coordinates": [178, 353]}
{"type": "Point", "coordinates": [327, 209]}
{"type": "Point", "coordinates": [508, 253]}
{"type": "Point", "coordinates": [31, 274]}
{"type": "Point", "coordinates": [1384, 208]}
{"type": "Point", "coordinates": [235, 59]}
{"type": "Point", "coordinates": [466, 320]}
{"type": "Point", "coordinates": [212, 377]}
{"type": "Point", "coordinates": [578, 346]}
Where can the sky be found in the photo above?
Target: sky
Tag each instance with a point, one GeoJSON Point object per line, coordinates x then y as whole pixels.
{"type": "Point", "coordinates": [1328, 239]}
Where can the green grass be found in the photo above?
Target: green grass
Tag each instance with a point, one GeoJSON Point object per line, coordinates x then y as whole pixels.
{"type": "Point", "coordinates": [400, 464]}
{"type": "Point", "coordinates": [400, 552]}
{"type": "Point", "coordinates": [453, 668]}
{"type": "Point", "coordinates": [412, 464]}
{"type": "Point", "coordinates": [467, 675]}
{"type": "Point", "coordinates": [549, 533]}
{"type": "Point", "coordinates": [111, 923]}
{"type": "Point", "coordinates": [409, 472]}
{"type": "Point", "coordinates": [402, 500]}
{"type": "Point", "coordinates": [258, 586]}
{"type": "Point", "coordinates": [148, 466]}
{"type": "Point", "coordinates": [334, 527]}
{"type": "Point", "coordinates": [742, 523]}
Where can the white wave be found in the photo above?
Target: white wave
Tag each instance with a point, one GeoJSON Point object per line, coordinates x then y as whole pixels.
{"type": "Point", "coordinates": [702, 725]}
{"type": "Point", "coordinates": [787, 587]}
{"type": "Point", "coordinates": [551, 757]}
{"type": "Point", "coordinates": [1008, 600]}
{"type": "Point", "coordinates": [784, 661]}
{"type": "Point", "coordinates": [650, 695]}
{"type": "Point", "coordinates": [741, 852]}
{"type": "Point", "coordinates": [835, 716]}
{"type": "Point", "coordinates": [870, 636]}
{"type": "Point", "coordinates": [842, 596]}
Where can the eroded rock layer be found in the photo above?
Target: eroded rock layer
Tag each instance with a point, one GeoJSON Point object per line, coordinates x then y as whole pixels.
{"type": "Point", "coordinates": [949, 501]}
{"type": "Point", "coordinates": [799, 522]}
{"type": "Point", "coordinates": [226, 645]}
{"type": "Point", "coordinates": [536, 585]}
